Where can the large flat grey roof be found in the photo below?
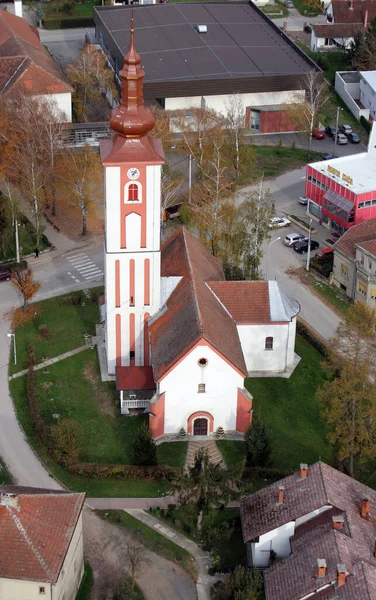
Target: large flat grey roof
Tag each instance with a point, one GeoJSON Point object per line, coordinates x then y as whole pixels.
{"type": "Point", "coordinates": [240, 42]}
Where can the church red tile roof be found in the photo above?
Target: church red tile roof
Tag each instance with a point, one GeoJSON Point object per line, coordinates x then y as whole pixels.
{"type": "Point", "coordinates": [247, 301]}
{"type": "Point", "coordinates": [294, 577]}
{"type": "Point", "coordinates": [36, 528]}
{"type": "Point", "coordinates": [357, 234]}
{"type": "Point", "coordinates": [25, 65]}
{"type": "Point", "coordinates": [193, 312]}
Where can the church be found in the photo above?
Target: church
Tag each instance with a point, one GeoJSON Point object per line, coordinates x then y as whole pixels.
{"type": "Point", "coordinates": [180, 339]}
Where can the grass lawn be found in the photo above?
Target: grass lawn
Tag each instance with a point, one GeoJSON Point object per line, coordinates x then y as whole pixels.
{"type": "Point", "coordinates": [305, 9]}
{"type": "Point", "coordinates": [72, 388]}
{"type": "Point", "coordinates": [66, 325]}
{"type": "Point", "coordinates": [172, 453]}
{"type": "Point", "coordinates": [152, 539]}
{"type": "Point", "coordinates": [274, 10]}
{"type": "Point", "coordinates": [272, 161]}
{"type": "Point", "coordinates": [54, 10]}
{"type": "Point", "coordinates": [233, 452]}
{"type": "Point", "coordinates": [329, 293]}
{"type": "Point", "coordinates": [84, 591]}
{"type": "Point", "coordinates": [289, 409]}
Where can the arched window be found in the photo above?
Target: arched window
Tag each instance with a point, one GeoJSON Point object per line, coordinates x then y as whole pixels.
{"type": "Point", "coordinates": [268, 343]}
{"type": "Point", "coordinates": [133, 192]}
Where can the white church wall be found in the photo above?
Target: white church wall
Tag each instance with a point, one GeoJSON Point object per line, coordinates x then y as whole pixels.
{"type": "Point", "coordinates": [153, 187]}
{"type": "Point", "coordinates": [257, 358]}
{"type": "Point", "coordinates": [63, 103]}
{"type": "Point", "coordinates": [291, 342]}
{"type": "Point", "coordinates": [183, 399]}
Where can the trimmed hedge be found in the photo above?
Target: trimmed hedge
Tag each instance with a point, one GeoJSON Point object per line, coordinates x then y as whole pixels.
{"type": "Point", "coordinates": [12, 265]}
{"type": "Point", "coordinates": [103, 471]}
{"type": "Point", "coordinates": [366, 124]}
{"type": "Point", "coordinates": [306, 333]}
{"type": "Point", "coordinates": [66, 23]}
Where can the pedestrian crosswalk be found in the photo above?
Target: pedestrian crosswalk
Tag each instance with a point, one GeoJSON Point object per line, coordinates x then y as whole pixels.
{"type": "Point", "coordinates": [84, 267]}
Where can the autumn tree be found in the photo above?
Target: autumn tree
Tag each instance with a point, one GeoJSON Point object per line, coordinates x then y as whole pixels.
{"type": "Point", "coordinates": [65, 439]}
{"type": "Point", "coordinates": [24, 282]}
{"type": "Point", "coordinates": [91, 79]}
{"type": "Point", "coordinates": [348, 399]}
{"type": "Point", "coordinates": [240, 584]}
{"type": "Point", "coordinates": [235, 116]}
{"type": "Point", "coordinates": [304, 111]}
{"type": "Point", "coordinates": [206, 486]}
{"type": "Point", "coordinates": [85, 175]}
{"type": "Point", "coordinates": [363, 49]}
{"type": "Point", "coordinates": [256, 211]}
{"type": "Point", "coordinates": [52, 129]}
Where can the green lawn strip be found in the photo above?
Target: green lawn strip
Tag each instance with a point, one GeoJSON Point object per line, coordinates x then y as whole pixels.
{"type": "Point", "coordinates": [66, 323]}
{"type": "Point", "coordinates": [274, 10]}
{"type": "Point", "coordinates": [305, 9]}
{"type": "Point", "coordinates": [77, 392]}
{"type": "Point", "coordinates": [329, 294]}
{"type": "Point", "coordinates": [233, 452]}
{"type": "Point", "coordinates": [272, 161]}
{"type": "Point", "coordinates": [152, 539]}
{"type": "Point", "coordinates": [290, 410]}
{"type": "Point", "coordinates": [172, 453]}
{"type": "Point", "coordinates": [84, 9]}
{"type": "Point", "coordinates": [5, 476]}
{"type": "Point", "coordinates": [84, 591]}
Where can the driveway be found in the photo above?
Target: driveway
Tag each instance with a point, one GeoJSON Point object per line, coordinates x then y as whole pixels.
{"type": "Point", "coordinates": [158, 578]}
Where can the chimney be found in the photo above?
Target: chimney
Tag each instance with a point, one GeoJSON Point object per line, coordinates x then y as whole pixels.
{"type": "Point", "coordinates": [351, 5]}
{"type": "Point", "coordinates": [374, 550]}
{"type": "Point", "coordinates": [366, 508]}
{"type": "Point", "coordinates": [338, 521]}
{"type": "Point", "coordinates": [10, 500]}
{"type": "Point", "coordinates": [303, 470]}
{"type": "Point", "coordinates": [281, 494]}
{"type": "Point", "coordinates": [341, 574]}
{"type": "Point", "coordinates": [365, 18]}
{"type": "Point", "coordinates": [321, 567]}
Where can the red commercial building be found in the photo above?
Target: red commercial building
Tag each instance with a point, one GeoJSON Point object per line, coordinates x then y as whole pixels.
{"type": "Point", "coordinates": [342, 191]}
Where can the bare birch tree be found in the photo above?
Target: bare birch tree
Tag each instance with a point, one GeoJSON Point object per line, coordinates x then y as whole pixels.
{"type": "Point", "coordinates": [305, 112]}
{"type": "Point", "coordinates": [197, 125]}
{"type": "Point", "coordinates": [52, 145]}
{"type": "Point", "coordinates": [235, 115]}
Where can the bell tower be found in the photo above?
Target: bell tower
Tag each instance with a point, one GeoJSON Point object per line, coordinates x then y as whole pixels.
{"type": "Point", "coordinates": [132, 162]}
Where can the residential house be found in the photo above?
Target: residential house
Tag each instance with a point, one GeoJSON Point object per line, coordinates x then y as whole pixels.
{"type": "Point", "coordinates": [41, 543]}
{"type": "Point", "coordinates": [345, 19]}
{"type": "Point", "coordinates": [26, 66]}
{"type": "Point", "coordinates": [314, 532]}
{"type": "Point", "coordinates": [354, 263]}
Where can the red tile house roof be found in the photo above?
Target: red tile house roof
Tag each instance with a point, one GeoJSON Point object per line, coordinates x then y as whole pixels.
{"type": "Point", "coordinates": [363, 232]}
{"type": "Point", "coordinates": [337, 30]}
{"type": "Point", "coordinates": [369, 246]}
{"type": "Point", "coordinates": [351, 545]}
{"type": "Point", "coordinates": [25, 65]}
{"type": "Point", "coordinates": [353, 11]}
{"type": "Point", "coordinates": [204, 306]}
{"type": "Point", "coordinates": [36, 528]}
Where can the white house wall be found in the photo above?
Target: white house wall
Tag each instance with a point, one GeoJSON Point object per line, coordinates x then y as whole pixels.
{"type": "Point", "coordinates": [367, 97]}
{"type": "Point", "coordinates": [63, 103]}
{"type": "Point", "coordinates": [252, 339]}
{"type": "Point", "coordinates": [181, 391]}
{"type": "Point", "coordinates": [218, 103]}
{"type": "Point", "coordinates": [350, 92]}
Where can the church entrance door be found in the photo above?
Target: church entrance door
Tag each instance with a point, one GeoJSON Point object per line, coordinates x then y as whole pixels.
{"type": "Point", "coordinates": [200, 427]}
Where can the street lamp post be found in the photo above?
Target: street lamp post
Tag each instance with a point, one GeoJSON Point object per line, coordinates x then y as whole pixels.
{"type": "Point", "coordinates": [267, 256]}
{"type": "Point", "coordinates": [13, 335]}
{"type": "Point", "coordinates": [336, 133]}
{"type": "Point", "coordinates": [17, 242]}
{"type": "Point", "coordinates": [189, 178]}
{"type": "Point", "coordinates": [309, 245]}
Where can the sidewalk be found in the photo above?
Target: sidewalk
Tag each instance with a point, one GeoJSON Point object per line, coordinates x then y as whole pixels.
{"type": "Point", "coordinates": [51, 361]}
{"type": "Point", "coordinates": [202, 558]}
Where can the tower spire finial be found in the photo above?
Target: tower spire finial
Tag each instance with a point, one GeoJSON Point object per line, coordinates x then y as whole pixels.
{"type": "Point", "coordinates": [132, 118]}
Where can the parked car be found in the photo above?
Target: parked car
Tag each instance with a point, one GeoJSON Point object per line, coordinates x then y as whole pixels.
{"type": "Point", "coordinates": [330, 131]}
{"type": "Point", "coordinates": [279, 222]}
{"type": "Point", "coordinates": [303, 200]}
{"type": "Point", "coordinates": [341, 139]}
{"type": "Point", "coordinates": [329, 156]}
{"type": "Point", "coordinates": [318, 134]}
{"type": "Point", "coordinates": [289, 4]}
{"type": "Point", "coordinates": [353, 138]}
{"type": "Point", "coordinates": [291, 238]}
{"type": "Point", "coordinates": [5, 275]}
{"type": "Point", "coordinates": [302, 246]}
{"type": "Point", "coordinates": [324, 252]}
{"type": "Point", "coordinates": [345, 129]}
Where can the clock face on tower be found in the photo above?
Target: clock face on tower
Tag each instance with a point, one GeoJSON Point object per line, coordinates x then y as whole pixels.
{"type": "Point", "coordinates": [133, 173]}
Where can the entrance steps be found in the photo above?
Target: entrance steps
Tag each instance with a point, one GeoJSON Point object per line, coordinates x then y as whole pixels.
{"type": "Point", "coordinates": [214, 454]}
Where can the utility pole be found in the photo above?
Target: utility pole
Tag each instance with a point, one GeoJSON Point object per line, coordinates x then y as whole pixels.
{"type": "Point", "coordinates": [309, 245]}
{"type": "Point", "coordinates": [189, 178]}
{"type": "Point", "coordinates": [336, 133]}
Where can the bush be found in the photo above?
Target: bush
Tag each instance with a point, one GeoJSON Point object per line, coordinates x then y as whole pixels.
{"type": "Point", "coordinates": [144, 448]}
{"type": "Point", "coordinates": [257, 445]}
{"type": "Point", "coordinates": [135, 472]}
{"type": "Point", "coordinates": [43, 332]}
{"type": "Point", "coordinates": [366, 124]}
{"type": "Point", "coordinates": [308, 29]}
{"type": "Point", "coordinates": [70, 300]}
{"type": "Point", "coordinates": [65, 436]}
{"type": "Point", "coordinates": [241, 583]}
{"type": "Point", "coordinates": [305, 332]}
{"type": "Point", "coordinates": [66, 23]}
{"type": "Point", "coordinates": [233, 273]}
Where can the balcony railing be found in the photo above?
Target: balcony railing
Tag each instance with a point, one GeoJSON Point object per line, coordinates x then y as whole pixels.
{"type": "Point", "coordinates": [134, 403]}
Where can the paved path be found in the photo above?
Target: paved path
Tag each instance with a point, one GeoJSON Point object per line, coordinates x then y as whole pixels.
{"type": "Point", "coordinates": [51, 361]}
{"type": "Point", "coordinates": [213, 451]}
{"type": "Point", "coordinates": [202, 558]}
